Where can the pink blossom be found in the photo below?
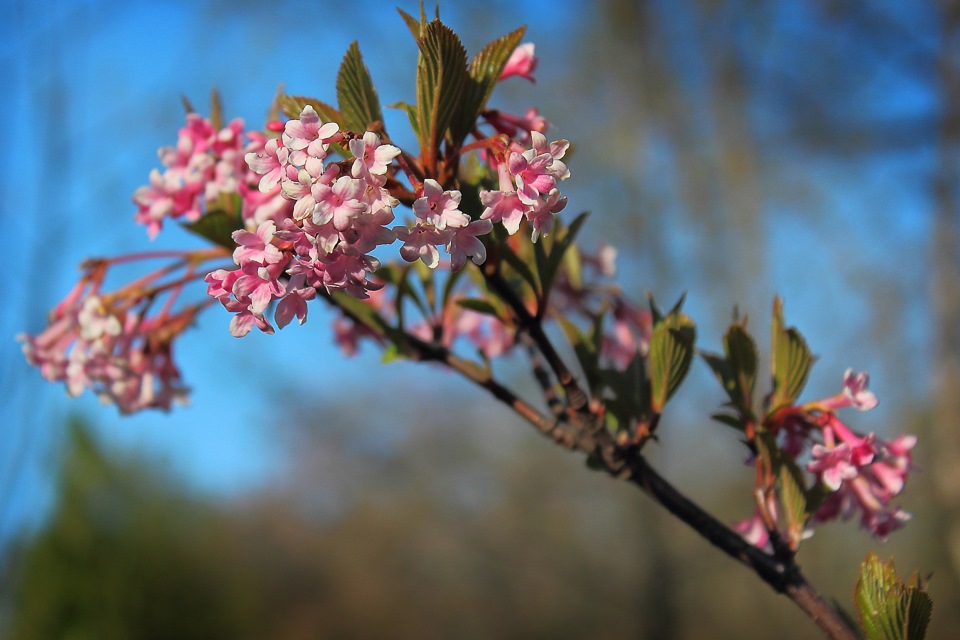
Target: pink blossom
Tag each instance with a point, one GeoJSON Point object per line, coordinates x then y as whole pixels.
{"type": "Point", "coordinates": [439, 208]}
{"type": "Point", "coordinates": [270, 163]}
{"type": "Point", "coordinates": [420, 243]}
{"type": "Point", "coordinates": [505, 207]}
{"type": "Point", "coordinates": [521, 63]}
{"type": "Point", "coordinates": [464, 243]}
{"type": "Point", "coordinates": [340, 203]}
{"type": "Point", "coordinates": [308, 137]}
{"type": "Point", "coordinates": [754, 531]}
{"type": "Point", "coordinates": [256, 247]}
{"type": "Point", "coordinates": [372, 157]}
{"type": "Point", "coordinates": [258, 285]}
{"type": "Point", "coordinates": [543, 212]}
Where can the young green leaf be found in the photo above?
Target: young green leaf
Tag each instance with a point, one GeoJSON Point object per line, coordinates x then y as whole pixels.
{"type": "Point", "coordinates": [356, 96]}
{"type": "Point", "coordinates": [793, 497]}
{"type": "Point", "coordinates": [291, 106]}
{"type": "Point", "coordinates": [888, 609]}
{"type": "Point", "coordinates": [671, 350]}
{"type": "Point", "coordinates": [791, 361]}
{"type": "Point", "coordinates": [742, 358]}
{"type": "Point", "coordinates": [548, 273]}
{"type": "Point", "coordinates": [479, 306]}
{"type": "Point", "coordinates": [484, 72]}
{"type": "Point", "coordinates": [219, 223]}
{"type": "Point", "coordinates": [441, 81]}
{"type": "Point", "coordinates": [585, 349]}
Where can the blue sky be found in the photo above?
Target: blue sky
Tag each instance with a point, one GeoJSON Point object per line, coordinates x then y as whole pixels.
{"type": "Point", "coordinates": [96, 90]}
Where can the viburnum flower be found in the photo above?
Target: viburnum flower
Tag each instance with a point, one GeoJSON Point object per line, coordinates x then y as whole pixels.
{"type": "Point", "coordinates": [527, 181]}
{"type": "Point", "coordinates": [439, 208]}
{"type": "Point", "coordinates": [420, 243]}
{"type": "Point", "coordinates": [521, 63]}
{"type": "Point", "coordinates": [465, 244]}
{"type": "Point", "coordinates": [862, 473]}
{"type": "Point", "coordinates": [372, 157]}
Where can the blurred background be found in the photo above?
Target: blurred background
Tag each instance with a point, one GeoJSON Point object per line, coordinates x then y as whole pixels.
{"type": "Point", "coordinates": [730, 149]}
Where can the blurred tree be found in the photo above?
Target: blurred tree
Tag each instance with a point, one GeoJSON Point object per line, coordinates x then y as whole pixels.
{"type": "Point", "coordinates": [126, 555]}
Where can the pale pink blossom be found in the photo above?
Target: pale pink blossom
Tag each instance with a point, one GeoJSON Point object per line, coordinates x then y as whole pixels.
{"type": "Point", "coordinates": [372, 157]}
{"type": "Point", "coordinates": [465, 243]}
{"type": "Point", "coordinates": [522, 62]}
{"type": "Point", "coordinates": [256, 247]}
{"type": "Point", "coordinates": [439, 208]}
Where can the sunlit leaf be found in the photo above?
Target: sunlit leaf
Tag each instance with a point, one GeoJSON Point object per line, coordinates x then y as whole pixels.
{"type": "Point", "coordinates": [791, 361]}
{"type": "Point", "coordinates": [291, 106]}
{"type": "Point", "coordinates": [483, 73]}
{"type": "Point", "coordinates": [671, 350]}
{"type": "Point", "coordinates": [888, 609]}
{"type": "Point", "coordinates": [441, 81]}
{"type": "Point", "coordinates": [356, 96]}
{"type": "Point", "coordinates": [793, 499]}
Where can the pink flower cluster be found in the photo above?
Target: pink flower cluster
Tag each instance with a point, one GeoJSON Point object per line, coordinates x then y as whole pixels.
{"type": "Point", "coordinates": [528, 185]}
{"type": "Point", "coordinates": [440, 222]}
{"type": "Point", "coordinates": [123, 355]}
{"type": "Point", "coordinates": [337, 219]}
{"type": "Point", "coordinates": [204, 165]}
{"type": "Point", "coordinates": [862, 473]}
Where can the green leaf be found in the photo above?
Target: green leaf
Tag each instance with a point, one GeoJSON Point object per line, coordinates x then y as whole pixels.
{"type": "Point", "coordinates": [671, 350]}
{"type": "Point", "coordinates": [415, 26]}
{"type": "Point", "coordinates": [888, 609]}
{"type": "Point", "coordinates": [356, 96]}
{"type": "Point", "coordinates": [742, 358]}
{"type": "Point", "coordinates": [730, 421]}
{"type": "Point", "coordinates": [216, 110]}
{"type": "Point", "coordinates": [549, 272]}
{"type": "Point", "coordinates": [480, 306]}
{"type": "Point", "coordinates": [585, 349]}
{"type": "Point", "coordinates": [291, 106]}
{"type": "Point", "coordinates": [484, 72]}
{"type": "Point", "coordinates": [737, 368]}
{"type": "Point", "coordinates": [218, 224]}
{"type": "Point", "coordinates": [793, 498]}
{"type": "Point", "coordinates": [441, 81]}
{"type": "Point", "coordinates": [791, 361]}
{"type": "Point", "coordinates": [520, 266]}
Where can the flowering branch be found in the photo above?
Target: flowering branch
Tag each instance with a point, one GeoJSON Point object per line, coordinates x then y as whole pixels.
{"type": "Point", "coordinates": [306, 209]}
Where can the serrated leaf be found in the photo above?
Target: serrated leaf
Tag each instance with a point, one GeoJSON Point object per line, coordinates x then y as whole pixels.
{"type": "Point", "coordinates": [791, 361]}
{"type": "Point", "coordinates": [415, 26]}
{"type": "Point", "coordinates": [291, 106]}
{"type": "Point", "coordinates": [483, 73]}
{"type": "Point", "coordinates": [441, 81]}
{"type": "Point", "coordinates": [671, 351]}
{"type": "Point", "coordinates": [889, 610]}
{"type": "Point", "coordinates": [217, 226]}
{"type": "Point", "coordinates": [356, 96]}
